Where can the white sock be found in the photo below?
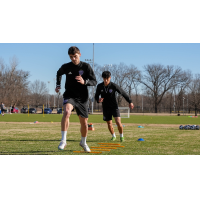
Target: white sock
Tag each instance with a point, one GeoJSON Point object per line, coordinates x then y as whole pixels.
{"type": "Point", "coordinates": [83, 140]}
{"type": "Point", "coordinates": [113, 135]}
{"type": "Point", "coordinates": [121, 134]}
{"type": "Point", "coordinates": [64, 135]}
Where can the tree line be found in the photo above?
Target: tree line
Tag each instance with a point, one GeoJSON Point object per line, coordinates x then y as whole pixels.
{"type": "Point", "coordinates": [151, 88]}
{"type": "Point", "coordinates": [156, 86]}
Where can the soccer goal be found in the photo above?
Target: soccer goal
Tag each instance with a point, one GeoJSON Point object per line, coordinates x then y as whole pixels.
{"type": "Point", "coordinates": [124, 112]}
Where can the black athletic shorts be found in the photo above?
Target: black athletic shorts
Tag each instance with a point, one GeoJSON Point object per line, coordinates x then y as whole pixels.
{"type": "Point", "coordinates": [81, 106]}
{"type": "Point", "coordinates": [109, 112]}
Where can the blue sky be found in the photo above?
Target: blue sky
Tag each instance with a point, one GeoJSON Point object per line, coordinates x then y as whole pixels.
{"type": "Point", "coordinates": [44, 59]}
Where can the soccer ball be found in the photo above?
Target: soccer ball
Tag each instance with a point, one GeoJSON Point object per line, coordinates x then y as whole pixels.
{"type": "Point", "coordinates": [190, 127]}
{"type": "Point", "coordinates": [181, 127]}
{"type": "Point", "coordinates": [197, 127]}
{"type": "Point", "coordinates": [193, 127]}
{"type": "Point", "coordinates": [186, 127]}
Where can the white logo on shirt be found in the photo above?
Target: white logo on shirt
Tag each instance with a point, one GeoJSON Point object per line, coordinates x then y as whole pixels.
{"type": "Point", "coordinates": [69, 73]}
{"type": "Point", "coordinates": [101, 90]}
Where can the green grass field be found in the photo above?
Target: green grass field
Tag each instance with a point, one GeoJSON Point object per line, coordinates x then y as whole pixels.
{"type": "Point", "coordinates": [19, 136]}
{"type": "Point", "coordinates": [143, 119]}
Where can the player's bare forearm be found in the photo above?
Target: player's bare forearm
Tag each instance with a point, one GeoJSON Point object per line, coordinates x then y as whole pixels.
{"type": "Point", "coordinates": [131, 105]}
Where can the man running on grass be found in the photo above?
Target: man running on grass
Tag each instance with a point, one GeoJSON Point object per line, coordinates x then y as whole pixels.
{"type": "Point", "coordinates": [79, 75]}
{"type": "Point", "coordinates": [107, 90]}
{"type": "Point", "coordinates": [3, 108]}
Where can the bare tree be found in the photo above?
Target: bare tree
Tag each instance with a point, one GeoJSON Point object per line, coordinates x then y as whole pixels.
{"type": "Point", "coordinates": [132, 76]}
{"type": "Point", "coordinates": [119, 74]}
{"type": "Point", "coordinates": [179, 98]}
{"type": "Point", "coordinates": [38, 91]}
{"type": "Point", "coordinates": [124, 76]}
{"type": "Point", "coordinates": [13, 82]}
{"type": "Point", "coordinates": [194, 91]}
{"type": "Point", "coordinates": [159, 79]}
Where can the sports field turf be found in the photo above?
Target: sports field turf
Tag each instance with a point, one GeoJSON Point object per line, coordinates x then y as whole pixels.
{"type": "Point", "coordinates": [143, 119]}
{"type": "Point", "coordinates": [20, 136]}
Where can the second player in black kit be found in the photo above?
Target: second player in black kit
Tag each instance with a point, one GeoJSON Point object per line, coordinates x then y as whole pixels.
{"type": "Point", "coordinates": [107, 90]}
{"type": "Point", "coordinates": [108, 93]}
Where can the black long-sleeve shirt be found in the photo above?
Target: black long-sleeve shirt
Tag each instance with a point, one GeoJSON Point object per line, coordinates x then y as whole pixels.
{"type": "Point", "coordinates": [73, 88]}
{"type": "Point", "coordinates": [108, 93]}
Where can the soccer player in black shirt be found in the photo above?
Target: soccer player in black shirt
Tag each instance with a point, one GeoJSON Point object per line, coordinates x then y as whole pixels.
{"type": "Point", "coordinates": [79, 75]}
{"type": "Point", "coordinates": [107, 90]}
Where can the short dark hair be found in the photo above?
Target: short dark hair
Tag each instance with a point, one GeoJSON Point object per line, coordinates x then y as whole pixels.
{"type": "Point", "coordinates": [73, 50]}
{"type": "Point", "coordinates": [106, 74]}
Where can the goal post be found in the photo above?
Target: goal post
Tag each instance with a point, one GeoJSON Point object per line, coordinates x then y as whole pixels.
{"type": "Point", "coordinates": [124, 112]}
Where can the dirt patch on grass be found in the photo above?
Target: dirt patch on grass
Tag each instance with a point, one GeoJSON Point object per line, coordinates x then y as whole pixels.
{"type": "Point", "coordinates": [98, 124]}
{"type": "Point", "coordinates": [144, 125]}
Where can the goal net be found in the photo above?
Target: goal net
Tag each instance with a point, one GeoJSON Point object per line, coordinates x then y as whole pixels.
{"type": "Point", "coordinates": [124, 112]}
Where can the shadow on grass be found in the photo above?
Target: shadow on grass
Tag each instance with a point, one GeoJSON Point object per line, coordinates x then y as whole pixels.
{"type": "Point", "coordinates": [28, 140]}
{"type": "Point", "coordinates": [35, 152]}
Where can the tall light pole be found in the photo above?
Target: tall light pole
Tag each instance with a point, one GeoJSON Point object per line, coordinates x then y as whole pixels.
{"type": "Point", "coordinates": [54, 93]}
{"type": "Point", "coordinates": [48, 93]}
{"type": "Point", "coordinates": [183, 105]}
{"type": "Point", "coordinates": [174, 100]}
{"type": "Point", "coordinates": [91, 61]}
{"type": "Point", "coordinates": [142, 102]}
{"type": "Point", "coordinates": [107, 65]}
{"type": "Point", "coordinates": [187, 103]}
{"type": "Point", "coordinates": [93, 86]}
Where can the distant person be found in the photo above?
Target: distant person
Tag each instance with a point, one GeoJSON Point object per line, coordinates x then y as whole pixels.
{"type": "Point", "coordinates": [13, 107]}
{"type": "Point", "coordinates": [79, 75]}
{"type": "Point", "coordinates": [107, 90]}
{"type": "Point", "coordinates": [3, 108]}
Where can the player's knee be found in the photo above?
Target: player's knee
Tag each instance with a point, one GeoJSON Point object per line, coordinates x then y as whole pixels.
{"type": "Point", "coordinates": [83, 121]}
{"type": "Point", "coordinates": [118, 123]}
{"type": "Point", "coordinates": [67, 114]}
{"type": "Point", "coordinates": [84, 124]}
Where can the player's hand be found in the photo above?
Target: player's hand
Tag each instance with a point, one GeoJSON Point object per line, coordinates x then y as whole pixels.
{"type": "Point", "coordinates": [80, 79]}
{"type": "Point", "coordinates": [57, 89]}
{"type": "Point", "coordinates": [101, 100]}
{"type": "Point", "coordinates": [131, 105]}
